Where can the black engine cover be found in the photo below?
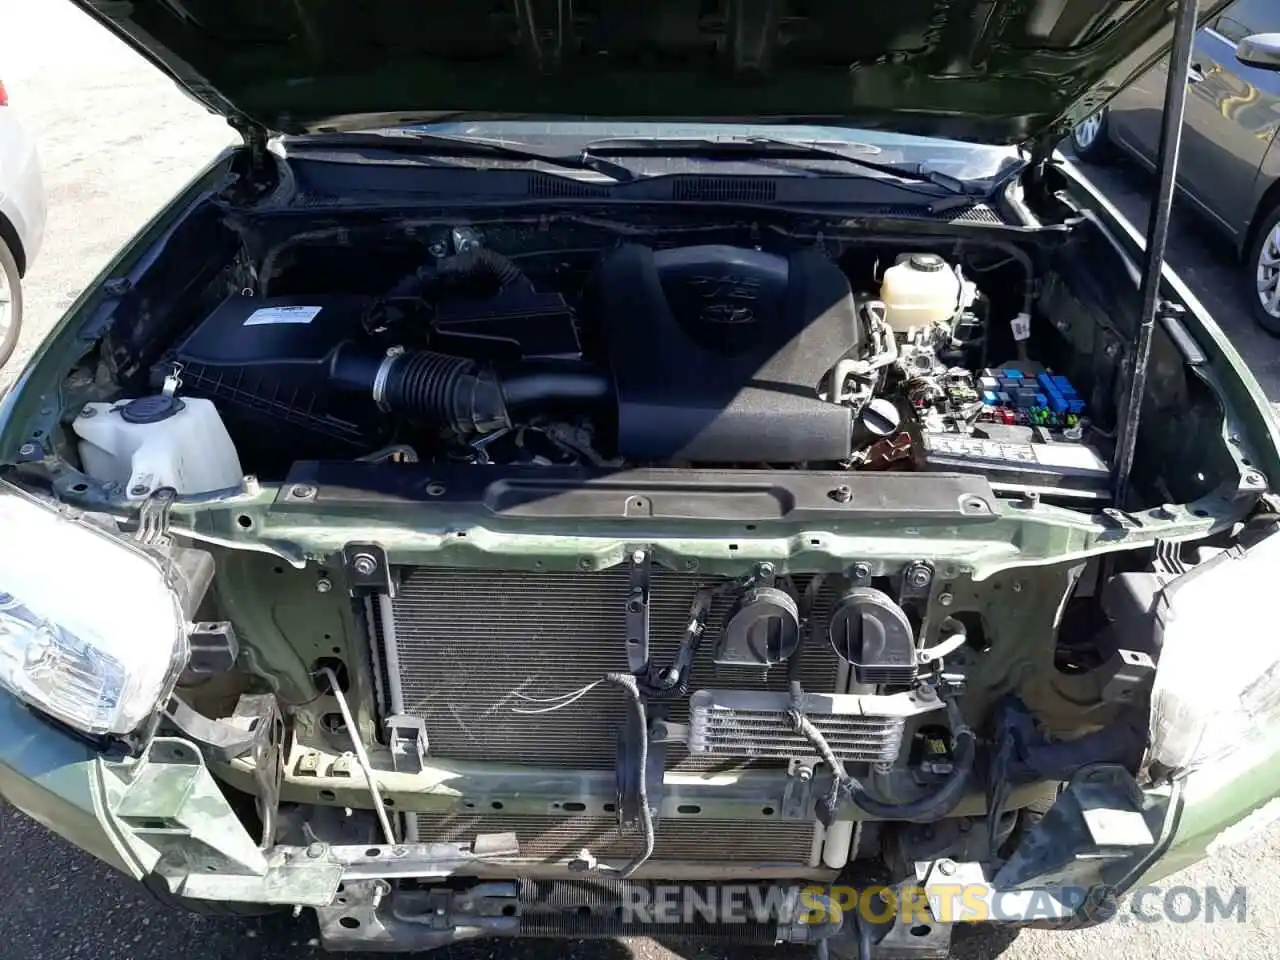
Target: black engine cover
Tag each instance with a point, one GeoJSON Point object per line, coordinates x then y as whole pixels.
{"type": "Point", "coordinates": [718, 353]}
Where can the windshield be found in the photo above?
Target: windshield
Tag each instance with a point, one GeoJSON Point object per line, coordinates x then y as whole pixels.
{"type": "Point", "coordinates": [965, 161]}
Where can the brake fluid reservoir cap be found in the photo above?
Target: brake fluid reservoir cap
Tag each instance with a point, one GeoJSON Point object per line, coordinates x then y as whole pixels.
{"type": "Point", "coordinates": [150, 409]}
{"type": "Point", "coordinates": [927, 262]}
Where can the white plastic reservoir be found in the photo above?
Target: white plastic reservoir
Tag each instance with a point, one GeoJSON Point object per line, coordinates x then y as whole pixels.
{"type": "Point", "coordinates": [918, 290]}
{"type": "Point", "coordinates": [154, 442]}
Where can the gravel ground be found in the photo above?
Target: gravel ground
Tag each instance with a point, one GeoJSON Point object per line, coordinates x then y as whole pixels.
{"type": "Point", "coordinates": [117, 141]}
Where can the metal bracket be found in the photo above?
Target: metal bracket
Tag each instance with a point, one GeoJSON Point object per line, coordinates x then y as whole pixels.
{"type": "Point", "coordinates": [465, 239]}
{"type": "Point", "coordinates": [256, 719]}
{"type": "Point", "coordinates": [213, 647]}
{"type": "Point", "coordinates": [172, 380]}
{"type": "Point", "coordinates": [917, 581]}
{"type": "Point", "coordinates": [914, 939]}
{"type": "Point", "coordinates": [1168, 558]}
{"type": "Point", "coordinates": [268, 759]}
{"type": "Point", "coordinates": [1100, 822]}
{"type": "Point", "coordinates": [638, 611]}
{"type": "Point", "coordinates": [628, 774]}
{"type": "Point", "coordinates": [859, 575]}
{"type": "Point", "coordinates": [407, 737]}
{"type": "Point", "coordinates": [176, 818]}
{"type": "Point", "coordinates": [1126, 673]}
{"type": "Point", "coordinates": [1120, 519]}
{"type": "Point", "coordinates": [797, 798]}
{"type": "Point", "coordinates": [664, 731]}
{"type": "Point", "coordinates": [153, 517]}
{"type": "Point", "coordinates": [368, 571]}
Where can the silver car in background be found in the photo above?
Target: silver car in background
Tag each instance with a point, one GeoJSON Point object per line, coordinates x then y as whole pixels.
{"type": "Point", "coordinates": [22, 215]}
{"type": "Point", "coordinates": [1230, 159]}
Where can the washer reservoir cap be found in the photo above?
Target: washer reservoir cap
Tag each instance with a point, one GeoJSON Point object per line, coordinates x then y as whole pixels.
{"type": "Point", "coordinates": [150, 409]}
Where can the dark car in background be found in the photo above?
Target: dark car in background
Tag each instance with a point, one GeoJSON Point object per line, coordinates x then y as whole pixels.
{"type": "Point", "coordinates": [1230, 161]}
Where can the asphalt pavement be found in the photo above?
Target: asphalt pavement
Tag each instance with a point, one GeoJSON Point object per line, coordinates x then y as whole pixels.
{"type": "Point", "coordinates": [117, 140]}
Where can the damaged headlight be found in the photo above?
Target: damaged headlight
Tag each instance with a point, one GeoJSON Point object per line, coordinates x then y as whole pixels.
{"type": "Point", "coordinates": [1217, 688]}
{"type": "Point", "coordinates": [91, 631]}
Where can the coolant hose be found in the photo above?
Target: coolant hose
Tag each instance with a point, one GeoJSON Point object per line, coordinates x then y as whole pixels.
{"type": "Point", "coordinates": [933, 806]}
{"type": "Point", "coordinates": [462, 395]}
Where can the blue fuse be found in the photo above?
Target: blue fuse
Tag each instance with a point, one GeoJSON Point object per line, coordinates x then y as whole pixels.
{"type": "Point", "coordinates": [1012, 373]}
{"type": "Point", "coordinates": [989, 398]}
{"type": "Point", "coordinates": [1075, 405]}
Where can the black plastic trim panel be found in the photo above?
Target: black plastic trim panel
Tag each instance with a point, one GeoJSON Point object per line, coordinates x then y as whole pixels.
{"type": "Point", "coordinates": [547, 492]}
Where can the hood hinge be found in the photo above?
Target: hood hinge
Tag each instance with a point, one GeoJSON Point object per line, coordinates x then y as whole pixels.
{"type": "Point", "coordinates": [255, 138]}
{"type": "Point", "coordinates": [258, 175]}
{"type": "Point", "coordinates": [1041, 149]}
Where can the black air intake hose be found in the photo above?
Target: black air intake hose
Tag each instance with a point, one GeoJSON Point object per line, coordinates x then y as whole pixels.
{"type": "Point", "coordinates": [480, 271]}
{"type": "Point", "coordinates": [480, 266]}
{"type": "Point", "coordinates": [459, 393]}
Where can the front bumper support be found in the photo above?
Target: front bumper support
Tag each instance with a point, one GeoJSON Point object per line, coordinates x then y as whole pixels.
{"type": "Point", "coordinates": [165, 815]}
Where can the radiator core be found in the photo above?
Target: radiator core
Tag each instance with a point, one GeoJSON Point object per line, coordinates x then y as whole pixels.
{"type": "Point", "coordinates": [472, 644]}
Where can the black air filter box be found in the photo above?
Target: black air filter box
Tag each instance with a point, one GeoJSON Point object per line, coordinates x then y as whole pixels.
{"type": "Point", "coordinates": [265, 360]}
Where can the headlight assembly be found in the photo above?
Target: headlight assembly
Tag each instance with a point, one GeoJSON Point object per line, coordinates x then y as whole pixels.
{"type": "Point", "coordinates": [91, 630]}
{"type": "Point", "coordinates": [1217, 688]}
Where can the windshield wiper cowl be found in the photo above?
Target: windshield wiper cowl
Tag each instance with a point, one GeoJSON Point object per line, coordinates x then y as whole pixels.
{"type": "Point", "coordinates": [738, 148]}
{"type": "Point", "coordinates": [433, 144]}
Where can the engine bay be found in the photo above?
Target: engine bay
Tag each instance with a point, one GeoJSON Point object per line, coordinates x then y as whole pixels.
{"type": "Point", "coordinates": [664, 543]}
{"type": "Point", "coordinates": [874, 358]}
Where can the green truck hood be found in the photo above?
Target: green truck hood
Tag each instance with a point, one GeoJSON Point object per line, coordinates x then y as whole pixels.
{"type": "Point", "coordinates": [994, 71]}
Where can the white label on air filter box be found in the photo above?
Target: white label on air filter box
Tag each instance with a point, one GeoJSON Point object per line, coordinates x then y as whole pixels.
{"type": "Point", "coordinates": [281, 315]}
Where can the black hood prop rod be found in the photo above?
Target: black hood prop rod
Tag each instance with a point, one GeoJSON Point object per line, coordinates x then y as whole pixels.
{"type": "Point", "coordinates": [1151, 305]}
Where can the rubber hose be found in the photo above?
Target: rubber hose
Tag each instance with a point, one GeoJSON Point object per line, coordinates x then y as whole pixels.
{"type": "Point", "coordinates": [458, 393]}
{"type": "Point", "coordinates": [479, 272]}
{"type": "Point", "coordinates": [934, 806]}
{"type": "Point", "coordinates": [534, 386]}
{"type": "Point", "coordinates": [480, 265]}
{"type": "Point", "coordinates": [413, 285]}
{"type": "Point", "coordinates": [451, 391]}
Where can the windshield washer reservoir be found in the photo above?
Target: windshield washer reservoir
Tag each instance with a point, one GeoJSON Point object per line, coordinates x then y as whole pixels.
{"type": "Point", "coordinates": [147, 443]}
